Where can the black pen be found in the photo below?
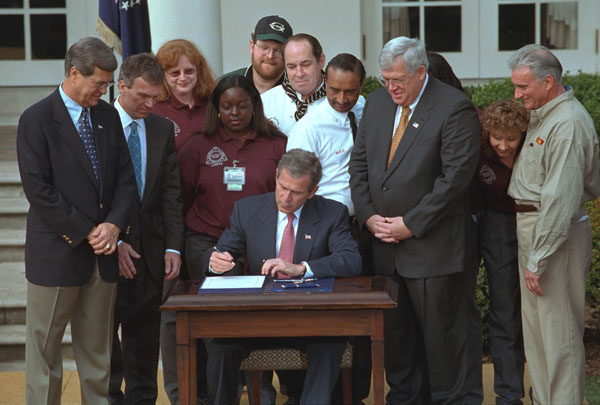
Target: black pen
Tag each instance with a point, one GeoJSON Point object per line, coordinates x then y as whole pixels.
{"type": "Point", "coordinates": [219, 251]}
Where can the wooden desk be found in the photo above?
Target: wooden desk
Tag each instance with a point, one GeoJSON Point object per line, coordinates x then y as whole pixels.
{"type": "Point", "coordinates": [354, 308]}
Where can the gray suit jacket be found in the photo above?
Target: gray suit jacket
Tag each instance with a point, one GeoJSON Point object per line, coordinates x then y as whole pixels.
{"type": "Point", "coordinates": [158, 221]}
{"type": "Point", "coordinates": [323, 237]}
{"type": "Point", "coordinates": [426, 183]}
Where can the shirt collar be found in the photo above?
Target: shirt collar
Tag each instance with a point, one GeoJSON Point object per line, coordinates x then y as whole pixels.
{"type": "Point", "coordinates": [72, 106]}
{"type": "Point", "coordinates": [175, 103]}
{"type": "Point", "coordinates": [548, 108]}
{"type": "Point", "coordinates": [281, 216]}
{"type": "Point", "coordinates": [318, 88]}
{"type": "Point", "coordinates": [126, 119]}
{"type": "Point", "coordinates": [226, 138]}
{"type": "Point", "coordinates": [413, 105]}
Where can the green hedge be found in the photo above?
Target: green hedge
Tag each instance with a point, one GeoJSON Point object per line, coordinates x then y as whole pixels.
{"type": "Point", "coordinates": [586, 88]}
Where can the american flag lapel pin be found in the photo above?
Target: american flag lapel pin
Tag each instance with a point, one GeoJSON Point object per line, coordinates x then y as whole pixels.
{"type": "Point", "coordinates": [416, 124]}
{"type": "Point", "coordinates": [307, 236]}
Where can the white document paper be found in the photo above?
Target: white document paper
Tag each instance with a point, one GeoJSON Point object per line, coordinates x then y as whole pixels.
{"type": "Point", "coordinates": [233, 282]}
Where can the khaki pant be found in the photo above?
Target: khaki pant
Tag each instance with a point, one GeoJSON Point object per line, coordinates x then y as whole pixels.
{"type": "Point", "coordinates": [90, 308]}
{"type": "Point", "coordinates": [553, 324]}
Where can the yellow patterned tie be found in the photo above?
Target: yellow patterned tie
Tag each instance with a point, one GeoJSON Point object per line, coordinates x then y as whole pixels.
{"type": "Point", "coordinates": [398, 134]}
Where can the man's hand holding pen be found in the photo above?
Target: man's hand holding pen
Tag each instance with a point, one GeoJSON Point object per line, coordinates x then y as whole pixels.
{"type": "Point", "coordinates": [221, 262]}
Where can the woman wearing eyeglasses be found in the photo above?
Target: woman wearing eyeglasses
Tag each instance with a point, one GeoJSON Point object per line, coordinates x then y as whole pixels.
{"type": "Point", "coordinates": [186, 88]}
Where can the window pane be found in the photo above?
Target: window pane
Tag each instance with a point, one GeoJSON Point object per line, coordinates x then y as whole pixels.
{"type": "Point", "coordinates": [46, 3]}
{"type": "Point", "coordinates": [400, 21]}
{"type": "Point", "coordinates": [443, 29]}
{"type": "Point", "coordinates": [516, 26]}
{"type": "Point", "coordinates": [559, 25]}
{"type": "Point", "coordinates": [12, 37]}
{"type": "Point", "coordinates": [48, 36]}
{"type": "Point", "coordinates": [11, 3]}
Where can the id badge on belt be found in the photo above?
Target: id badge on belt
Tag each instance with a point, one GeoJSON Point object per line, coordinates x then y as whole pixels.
{"type": "Point", "coordinates": [234, 177]}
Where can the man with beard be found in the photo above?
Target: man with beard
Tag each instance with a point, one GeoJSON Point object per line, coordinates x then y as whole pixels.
{"type": "Point", "coordinates": [266, 52]}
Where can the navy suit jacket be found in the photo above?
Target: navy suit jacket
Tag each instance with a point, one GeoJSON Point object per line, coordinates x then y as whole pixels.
{"type": "Point", "coordinates": [323, 237]}
{"type": "Point", "coordinates": [426, 182]}
{"type": "Point", "coordinates": [66, 201]}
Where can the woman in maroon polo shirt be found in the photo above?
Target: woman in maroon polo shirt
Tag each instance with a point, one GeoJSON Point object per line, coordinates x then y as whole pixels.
{"type": "Point", "coordinates": [235, 157]}
{"type": "Point", "coordinates": [186, 88]}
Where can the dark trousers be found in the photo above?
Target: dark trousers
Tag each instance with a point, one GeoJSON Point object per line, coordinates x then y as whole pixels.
{"type": "Point", "coordinates": [361, 353]}
{"type": "Point", "coordinates": [426, 339]}
{"type": "Point", "coordinates": [196, 244]}
{"type": "Point", "coordinates": [134, 357]}
{"type": "Point", "coordinates": [495, 239]}
{"type": "Point", "coordinates": [324, 356]}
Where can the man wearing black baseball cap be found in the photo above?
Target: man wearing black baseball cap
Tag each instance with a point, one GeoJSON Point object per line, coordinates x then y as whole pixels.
{"type": "Point", "coordinates": [266, 53]}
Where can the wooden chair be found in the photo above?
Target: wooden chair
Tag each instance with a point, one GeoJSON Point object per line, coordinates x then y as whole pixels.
{"type": "Point", "coordinates": [292, 359]}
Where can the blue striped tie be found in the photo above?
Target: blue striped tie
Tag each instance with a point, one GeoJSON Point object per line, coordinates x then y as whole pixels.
{"type": "Point", "coordinates": [135, 150]}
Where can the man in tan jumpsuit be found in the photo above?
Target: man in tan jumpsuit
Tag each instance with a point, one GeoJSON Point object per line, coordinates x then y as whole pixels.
{"type": "Point", "coordinates": [554, 175]}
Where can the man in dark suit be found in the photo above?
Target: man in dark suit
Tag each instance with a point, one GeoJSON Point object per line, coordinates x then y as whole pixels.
{"type": "Point", "coordinates": [289, 233]}
{"type": "Point", "coordinates": [151, 251]}
{"type": "Point", "coordinates": [411, 166]}
{"type": "Point", "coordinates": [79, 182]}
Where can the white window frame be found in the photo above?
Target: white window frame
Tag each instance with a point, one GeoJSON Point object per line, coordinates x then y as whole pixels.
{"type": "Point", "coordinates": [28, 72]}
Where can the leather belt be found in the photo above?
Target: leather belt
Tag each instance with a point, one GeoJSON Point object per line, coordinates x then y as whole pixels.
{"type": "Point", "coordinates": [525, 208]}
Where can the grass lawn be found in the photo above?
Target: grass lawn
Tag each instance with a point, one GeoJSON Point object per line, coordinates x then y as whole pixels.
{"type": "Point", "coordinates": [592, 389]}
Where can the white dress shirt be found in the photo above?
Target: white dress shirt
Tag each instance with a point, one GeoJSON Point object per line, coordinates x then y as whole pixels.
{"type": "Point", "coordinates": [280, 108]}
{"type": "Point", "coordinates": [412, 106]}
{"type": "Point", "coordinates": [126, 120]}
{"type": "Point", "coordinates": [327, 133]}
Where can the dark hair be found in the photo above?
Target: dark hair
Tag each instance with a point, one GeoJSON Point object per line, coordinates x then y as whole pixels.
{"type": "Point", "coordinates": [259, 123]}
{"type": "Point", "coordinates": [143, 65]}
{"type": "Point", "coordinates": [506, 114]}
{"type": "Point", "coordinates": [88, 53]}
{"type": "Point", "coordinates": [168, 56]}
{"type": "Point", "coordinates": [441, 70]}
{"type": "Point", "coordinates": [315, 46]}
{"type": "Point", "coordinates": [300, 162]}
{"type": "Point", "coordinates": [347, 62]}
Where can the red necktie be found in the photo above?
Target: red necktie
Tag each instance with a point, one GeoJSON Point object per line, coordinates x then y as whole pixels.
{"type": "Point", "coordinates": [286, 249]}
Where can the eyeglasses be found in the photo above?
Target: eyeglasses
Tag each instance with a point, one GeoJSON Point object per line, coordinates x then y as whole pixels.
{"type": "Point", "coordinates": [186, 72]}
{"type": "Point", "coordinates": [393, 83]}
{"type": "Point", "coordinates": [103, 85]}
{"type": "Point", "coordinates": [265, 50]}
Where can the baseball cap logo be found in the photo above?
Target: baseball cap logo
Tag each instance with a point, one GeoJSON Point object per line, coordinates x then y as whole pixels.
{"type": "Point", "coordinates": [277, 26]}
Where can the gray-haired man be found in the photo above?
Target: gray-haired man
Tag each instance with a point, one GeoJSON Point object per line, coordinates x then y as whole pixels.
{"type": "Point", "coordinates": [79, 181]}
{"type": "Point", "coordinates": [554, 175]}
{"type": "Point", "coordinates": [410, 169]}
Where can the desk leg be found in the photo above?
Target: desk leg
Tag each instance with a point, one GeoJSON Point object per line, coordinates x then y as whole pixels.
{"type": "Point", "coordinates": [377, 356]}
{"type": "Point", "coordinates": [186, 360]}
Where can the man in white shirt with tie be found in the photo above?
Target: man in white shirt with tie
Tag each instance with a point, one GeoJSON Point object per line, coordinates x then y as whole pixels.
{"type": "Point", "coordinates": [150, 252]}
{"type": "Point", "coordinates": [329, 131]}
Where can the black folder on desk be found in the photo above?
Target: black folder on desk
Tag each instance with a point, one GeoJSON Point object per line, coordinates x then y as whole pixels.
{"type": "Point", "coordinates": [292, 286]}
